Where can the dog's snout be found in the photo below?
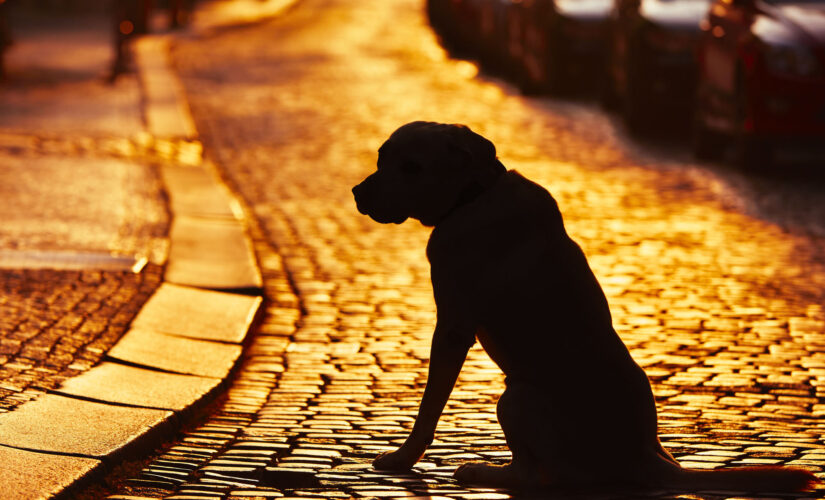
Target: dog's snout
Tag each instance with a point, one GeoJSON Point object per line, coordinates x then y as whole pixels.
{"type": "Point", "coordinates": [372, 199]}
{"type": "Point", "coordinates": [360, 193]}
{"type": "Point", "coordinates": [357, 190]}
{"type": "Point", "coordinates": [365, 190]}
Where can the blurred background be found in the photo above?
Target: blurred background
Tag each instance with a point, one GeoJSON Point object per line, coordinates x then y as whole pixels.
{"type": "Point", "coordinates": [66, 66]}
{"type": "Point", "coordinates": [116, 20]}
{"type": "Point", "coordinates": [741, 80]}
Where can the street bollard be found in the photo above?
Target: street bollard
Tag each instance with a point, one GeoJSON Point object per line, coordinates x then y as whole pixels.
{"type": "Point", "coordinates": [131, 17]}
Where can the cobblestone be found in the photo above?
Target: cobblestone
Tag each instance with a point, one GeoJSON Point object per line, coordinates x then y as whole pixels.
{"type": "Point", "coordinates": [721, 307]}
{"type": "Point", "coordinates": [56, 324]}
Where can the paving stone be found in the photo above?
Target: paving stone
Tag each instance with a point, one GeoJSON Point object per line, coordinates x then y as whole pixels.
{"type": "Point", "coordinates": [166, 112]}
{"type": "Point", "coordinates": [384, 494]}
{"type": "Point", "coordinates": [232, 471]}
{"type": "Point", "coordinates": [256, 493]}
{"type": "Point", "coordinates": [200, 314]}
{"type": "Point", "coordinates": [127, 497]}
{"type": "Point", "coordinates": [29, 475]}
{"type": "Point", "coordinates": [117, 383]}
{"type": "Point", "coordinates": [203, 489]}
{"type": "Point", "coordinates": [483, 496]}
{"type": "Point", "coordinates": [57, 323]}
{"type": "Point", "coordinates": [427, 497]}
{"type": "Point", "coordinates": [289, 478]}
{"type": "Point", "coordinates": [195, 497]}
{"type": "Point", "coordinates": [211, 253]}
{"type": "Point", "coordinates": [176, 354]}
{"type": "Point", "coordinates": [194, 191]}
{"type": "Point", "coordinates": [154, 484]}
{"type": "Point", "coordinates": [226, 482]}
{"type": "Point", "coordinates": [61, 424]}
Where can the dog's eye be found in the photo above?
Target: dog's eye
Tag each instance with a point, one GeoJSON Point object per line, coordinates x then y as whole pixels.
{"type": "Point", "coordinates": [410, 167]}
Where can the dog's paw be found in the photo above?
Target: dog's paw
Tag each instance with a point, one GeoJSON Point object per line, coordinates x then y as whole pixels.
{"type": "Point", "coordinates": [395, 461]}
{"type": "Point", "coordinates": [497, 476]}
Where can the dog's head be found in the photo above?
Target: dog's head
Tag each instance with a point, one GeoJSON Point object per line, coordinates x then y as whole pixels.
{"type": "Point", "coordinates": [425, 170]}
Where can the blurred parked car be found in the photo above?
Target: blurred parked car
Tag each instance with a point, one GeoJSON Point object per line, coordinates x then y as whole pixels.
{"type": "Point", "coordinates": [493, 25]}
{"type": "Point", "coordinates": [472, 28]}
{"type": "Point", "coordinates": [652, 61]}
{"type": "Point", "coordinates": [438, 12]}
{"type": "Point", "coordinates": [761, 77]}
{"type": "Point", "coordinates": [559, 44]}
{"type": "Point", "coordinates": [5, 34]}
{"type": "Point", "coordinates": [457, 22]}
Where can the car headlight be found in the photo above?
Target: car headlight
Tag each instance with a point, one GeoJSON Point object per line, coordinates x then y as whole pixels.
{"type": "Point", "coordinates": [792, 60]}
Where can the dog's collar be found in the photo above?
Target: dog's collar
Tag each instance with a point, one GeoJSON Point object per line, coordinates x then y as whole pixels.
{"type": "Point", "coordinates": [475, 189]}
{"type": "Point", "coordinates": [467, 196]}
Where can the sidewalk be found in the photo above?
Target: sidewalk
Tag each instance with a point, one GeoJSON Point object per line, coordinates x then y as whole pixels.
{"type": "Point", "coordinates": [127, 283]}
{"type": "Point", "coordinates": [77, 188]}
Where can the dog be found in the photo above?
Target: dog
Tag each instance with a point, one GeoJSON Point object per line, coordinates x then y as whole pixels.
{"type": "Point", "coordinates": [577, 411]}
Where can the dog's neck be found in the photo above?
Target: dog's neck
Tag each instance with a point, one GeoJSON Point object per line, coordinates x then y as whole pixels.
{"type": "Point", "coordinates": [467, 196]}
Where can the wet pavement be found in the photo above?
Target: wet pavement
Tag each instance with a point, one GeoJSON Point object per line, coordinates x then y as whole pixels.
{"type": "Point", "coordinates": [716, 281]}
{"type": "Point", "coordinates": [78, 187]}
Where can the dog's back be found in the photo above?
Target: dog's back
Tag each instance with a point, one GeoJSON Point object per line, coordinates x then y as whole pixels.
{"type": "Point", "coordinates": [543, 317]}
{"type": "Point", "coordinates": [509, 252]}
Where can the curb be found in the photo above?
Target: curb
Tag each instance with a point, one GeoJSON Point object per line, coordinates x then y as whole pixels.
{"type": "Point", "coordinates": [219, 15]}
{"type": "Point", "coordinates": [181, 348]}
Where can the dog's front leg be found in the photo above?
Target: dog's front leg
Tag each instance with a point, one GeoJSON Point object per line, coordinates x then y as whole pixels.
{"type": "Point", "coordinates": [447, 354]}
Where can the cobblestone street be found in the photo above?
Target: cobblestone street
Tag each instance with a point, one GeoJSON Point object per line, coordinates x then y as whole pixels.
{"type": "Point", "coordinates": [719, 299]}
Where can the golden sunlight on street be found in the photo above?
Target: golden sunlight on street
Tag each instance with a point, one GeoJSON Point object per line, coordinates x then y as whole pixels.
{"type": "Point", "coordinates": [719, 304]}
{"type": "Point", "coordinates": [715, 275]}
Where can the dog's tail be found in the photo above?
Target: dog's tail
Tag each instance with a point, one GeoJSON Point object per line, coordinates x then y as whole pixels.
{"type": "Point", "coordinates": [747, 479]}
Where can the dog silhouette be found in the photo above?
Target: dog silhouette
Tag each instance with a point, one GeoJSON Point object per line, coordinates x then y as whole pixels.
{"type": "Point", "coordinates": [577, 411]}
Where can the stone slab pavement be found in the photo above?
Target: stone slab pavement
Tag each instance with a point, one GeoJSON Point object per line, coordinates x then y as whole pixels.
{"type": "Point", "coordinates": [721, 305]}
{"type": "Point", "coordinates": [77, 188]}
{"type": "Point", "coordinates": [115, 330]}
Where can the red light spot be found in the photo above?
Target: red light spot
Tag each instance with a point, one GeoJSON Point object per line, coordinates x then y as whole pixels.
{"type": "Point", "coordinates": [126, 27]}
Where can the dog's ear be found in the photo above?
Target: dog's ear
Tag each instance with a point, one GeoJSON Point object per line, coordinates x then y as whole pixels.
{"type": "Point", "coordinates": [479, 154]}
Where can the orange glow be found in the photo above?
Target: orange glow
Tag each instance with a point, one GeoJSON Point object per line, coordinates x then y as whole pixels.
{"type": "Point", "coordinates": [126, 27]}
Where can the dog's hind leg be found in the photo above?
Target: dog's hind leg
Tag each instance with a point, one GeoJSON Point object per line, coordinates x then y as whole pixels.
{"type": "Point", "coordinates": [518, 415]}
